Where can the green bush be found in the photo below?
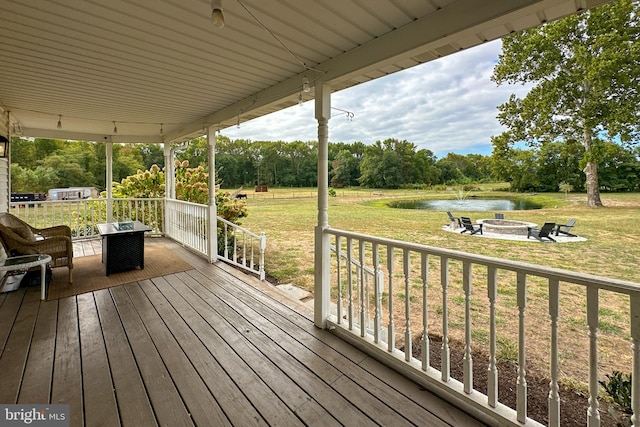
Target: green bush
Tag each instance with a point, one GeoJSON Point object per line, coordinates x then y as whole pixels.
{"type": "Point", "coordinates": [618, 387]}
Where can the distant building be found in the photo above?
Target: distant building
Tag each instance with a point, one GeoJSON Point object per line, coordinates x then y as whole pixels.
{"type": "Point", "coordinates": [73, 193]}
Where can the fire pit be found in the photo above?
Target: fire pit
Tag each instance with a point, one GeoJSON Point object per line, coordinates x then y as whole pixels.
{"type": "Point", "coordinates": [506, 226]}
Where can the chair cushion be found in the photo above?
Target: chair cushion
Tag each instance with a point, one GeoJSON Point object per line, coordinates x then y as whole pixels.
{"type": "Point", "coordinates": [24, 232]}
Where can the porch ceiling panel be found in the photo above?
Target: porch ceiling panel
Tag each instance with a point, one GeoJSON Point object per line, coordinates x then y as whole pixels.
{"type": "Point", "coordinates": [149, 65]}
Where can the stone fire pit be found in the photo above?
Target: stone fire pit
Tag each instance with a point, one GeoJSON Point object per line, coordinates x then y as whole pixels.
{"type": "Point", "coordinates": [506, 226]}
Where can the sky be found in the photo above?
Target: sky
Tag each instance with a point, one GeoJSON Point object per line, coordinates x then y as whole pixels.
{"type": "Point", "coordinates": [446, 105]}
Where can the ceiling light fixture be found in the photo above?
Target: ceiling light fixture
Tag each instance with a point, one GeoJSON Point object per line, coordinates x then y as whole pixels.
{"type": "Point", "coordinates": [217, 17]}
{"type": "Point", "coordinates": [161, 129]}
{"type": "Point", "coordinates": [59, 125]}
{"type": "Point", "coordinates": [300, 99]}
{"type": "Point", "coordinates": [115, 128]}
{"type": "Point", "coordinates": [305, 85]}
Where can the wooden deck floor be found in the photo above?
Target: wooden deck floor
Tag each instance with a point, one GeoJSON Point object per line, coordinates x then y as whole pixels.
{"type": "Point", "coordinates": [202, 348]}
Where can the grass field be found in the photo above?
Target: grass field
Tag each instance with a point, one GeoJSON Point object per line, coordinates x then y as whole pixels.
{"type": "Point", "coordinates": [612, 250]}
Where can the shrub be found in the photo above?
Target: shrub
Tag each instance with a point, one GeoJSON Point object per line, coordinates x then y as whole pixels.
{"type": "Point", "coordinates": [618, 387]}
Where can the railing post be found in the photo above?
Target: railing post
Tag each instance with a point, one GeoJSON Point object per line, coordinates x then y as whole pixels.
{"type": "Point", "coordinates": [635, 348]}
{"type": "Point", "coordinates": [361, 290]}
{"type": "Point", "coordinates": [109, 179]}
{"type": "Point", "coordinates": [263, 248]}
{"type": "Point", "coordinates": [593, 414]}
{"type": "Point", "coordinates": [467, 359]}
{"type": "Point", "coordinates": [407, 306]}
{"type": "Point", "coordinates": [322, 248]}
{"type": "Point", "coordinates": [554, 396]}
{"type": "Point", "coordinates": [391, 333]}
{"type": "Point", "coordinates": [521, 405]}
{"type": "Point", "coordinates": [445, 350]}
{"type": "Point", "coordinates": [424, 269]}
{"type": "Point", "coordinates": [376, 293]}
{"type": "Point", "coordinates": [213, 209]}
{"type": "Point", "coordinates": [492, 374]}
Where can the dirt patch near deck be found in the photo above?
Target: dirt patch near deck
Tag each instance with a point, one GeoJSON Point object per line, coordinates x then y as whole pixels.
{"type": "Point", "coordinates": [573, 403]}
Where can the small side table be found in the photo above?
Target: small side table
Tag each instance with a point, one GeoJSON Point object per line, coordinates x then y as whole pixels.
{"type": "Point", "coordinates": [25, 262]}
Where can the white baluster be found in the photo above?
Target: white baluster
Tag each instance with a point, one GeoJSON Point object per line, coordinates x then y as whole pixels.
{"type": "Point", "coordinates": [339, 279]}
{"type": "Point", "coordinates": [391, 327]}
{"type": "Point", "coordinates": [467, 359]}
{"type": "Point", "coordinates": [445, 351]}
{"type": "Point", "coordinates": [593, 414]}
{"type": "Point", "coordinates": [492, 374]}
{"type": "Point", "coordinates": [407, 306]}
{"type": "Point", "coordinates": [350, 281]}
{"type": "Point", "coordinates": [554, 396]}
{"type": "Point", "coordinates": [635, 349]}
{"type": "Point", "coordinates": [361, 290]}
{"type": "Point", "coordinates": [424, 269]}
{"type": "Point", "coordinates": [521, 405]}
{"type": "Point", "coordinates": [376, 294]}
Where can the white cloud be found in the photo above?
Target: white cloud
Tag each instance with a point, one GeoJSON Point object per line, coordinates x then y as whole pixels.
{"type": "Point", "coordinates": [447, 105]}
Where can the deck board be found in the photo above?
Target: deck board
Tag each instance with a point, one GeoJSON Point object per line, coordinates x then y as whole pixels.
{"type": "Point", "coordinates": [208, 346]}
{"type": "Point", "coordinates": [183, 324]}
{"type": "Point", "coordinates": [163, 393]}
{"type": "Point", "coordinates": [201, 404]}
{"type": "Point", "coordinates": [38, 373]}
{"type": "Point", "coordinates": [16, 350]}
{"type": "Point", "coordinates": [99, 398]}
{"type": "Point", "coordinates": [67, 375]}
{"type": "Point", "coordinates": [133, 403]}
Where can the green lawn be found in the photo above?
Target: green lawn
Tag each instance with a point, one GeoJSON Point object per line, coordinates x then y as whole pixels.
{"type": "Point", "coordinates": [288, 216]}
{"type": "Point", "coordinates": [611, 250]}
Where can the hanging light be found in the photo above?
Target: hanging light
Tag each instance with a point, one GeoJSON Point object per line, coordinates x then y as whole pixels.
{"type": "Point", "coordinates": [59, 126]}
{"type": "Point", "coordinates": [217, 17]}
{"type": "Point", "coordinates": [305, 85]}
{"type": "Point", "coordinates": [115, 128]}
{"type": "Point", "coordinates": [161, 129]}
{"type": "Point", "coordinates": [300, 99]}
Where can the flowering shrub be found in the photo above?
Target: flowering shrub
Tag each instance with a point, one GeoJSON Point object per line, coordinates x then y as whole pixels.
{"type": "Point", "coordinates": [191, 186]}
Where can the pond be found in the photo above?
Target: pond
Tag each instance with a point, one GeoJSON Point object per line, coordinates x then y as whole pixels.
{"type": "Point", "coordinates": [470, 204]}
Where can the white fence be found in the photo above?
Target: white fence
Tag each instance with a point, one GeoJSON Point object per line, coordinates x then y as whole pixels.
{"type": "Point", "coordinates": [83, 215]}
{"type": "Point", "coordinates": [242, 248]}
{"type": "Point", "coordinates": [185, 222]}
{"type": "Point", "coordinates": [424, 285]}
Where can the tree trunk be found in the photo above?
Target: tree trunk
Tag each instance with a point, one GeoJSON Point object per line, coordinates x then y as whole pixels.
{"type": "Point", "coordinates": [591, 174]}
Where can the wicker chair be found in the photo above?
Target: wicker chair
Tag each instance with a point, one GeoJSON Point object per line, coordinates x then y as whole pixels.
{"type": "Point", "coordinates": [19, 238]}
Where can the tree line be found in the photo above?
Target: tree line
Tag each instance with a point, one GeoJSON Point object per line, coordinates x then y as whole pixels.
{"type": "Point", "coordinates": [41, 164]}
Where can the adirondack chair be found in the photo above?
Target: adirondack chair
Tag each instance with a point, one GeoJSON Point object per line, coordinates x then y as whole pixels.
{"type": "Point", "coordinates": [454, 219]}
{"type": "Point", "coordinates": [542, 233]}
{"type": "Point", "coordinates": [469, 226]}
{"type": "Point", "coordinates": [564, 228]}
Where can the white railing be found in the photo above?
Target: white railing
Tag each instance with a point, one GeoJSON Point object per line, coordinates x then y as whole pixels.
{"type": "Point", "coordinates": [430, 291]}
{"type": "Point", "coordinates": [242, 248]}
{"type": "Point", "coordinates": [187, 223]}
{"type": "Point", "coordinates": [83, 215]}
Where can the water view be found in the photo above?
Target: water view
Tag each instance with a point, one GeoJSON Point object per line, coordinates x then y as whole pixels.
{"type": "Point", "coordinates": [472, 204]}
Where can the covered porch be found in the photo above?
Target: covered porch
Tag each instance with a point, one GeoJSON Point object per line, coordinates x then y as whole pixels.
{"type": "Point", "coordinates": [209, 346]}
{"type": "Point", "coordinates": [202, 347]}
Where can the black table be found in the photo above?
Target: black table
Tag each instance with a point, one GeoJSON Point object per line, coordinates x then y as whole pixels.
{"type": "Point", "coordinates": [122, 245]}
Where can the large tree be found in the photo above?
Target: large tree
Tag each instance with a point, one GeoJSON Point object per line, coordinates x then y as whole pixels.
{"type": "Point", "coordinates": [585, 74]}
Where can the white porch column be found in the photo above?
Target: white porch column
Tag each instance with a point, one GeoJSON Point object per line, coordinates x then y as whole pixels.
{"type": "Point", "coordinates": [322, 243]}
{"type": "Point", "coordinates": [109, 180]}
{"type": "Point", "coordinates": [168, 172]}
{"type": "Point", "coordinates": [213, 209]}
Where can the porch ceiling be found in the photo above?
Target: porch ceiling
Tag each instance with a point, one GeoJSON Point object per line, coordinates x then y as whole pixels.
{"type": "Point", "coordinates": [143, 63]}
